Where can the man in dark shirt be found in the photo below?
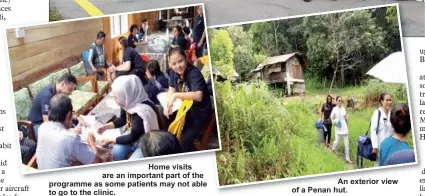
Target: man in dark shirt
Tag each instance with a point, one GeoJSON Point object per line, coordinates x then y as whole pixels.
{"type": "Point", "coordinates": [199, 33]}
{"type": "Point", "coordinates": [40, 107]}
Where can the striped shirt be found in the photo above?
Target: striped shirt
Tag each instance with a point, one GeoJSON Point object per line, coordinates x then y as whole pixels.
{"type": "Point", "coordinates": [57, 147]}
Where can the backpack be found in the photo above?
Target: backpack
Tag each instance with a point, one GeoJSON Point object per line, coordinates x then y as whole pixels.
{"type": "Point", "coordinates": [364, 146]}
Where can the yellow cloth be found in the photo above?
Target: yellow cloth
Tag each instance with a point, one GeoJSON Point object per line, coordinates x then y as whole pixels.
{"type": "Point", "coordinates": [205, 60]}
{"type": "Point", "coordinates": [176, 127]}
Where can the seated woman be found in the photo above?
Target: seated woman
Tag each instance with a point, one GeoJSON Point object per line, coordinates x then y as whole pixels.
{"type": "Point", "coordinates": [133, 39]}
{"type": "Point", "coordinates": [187, 83]}
{"type": "Point", "coordinates": [158, 143]}
{"type": "Point", "coordinates": [28, 147]}
{"type": "Point", "coordinates": [141, 118]}
{"type": "Point", "coordinates": [131, 62]}
{"type": "Point", "coordinates": [154, 72]}
{"type": "Point", "coordinates": [179, 39]}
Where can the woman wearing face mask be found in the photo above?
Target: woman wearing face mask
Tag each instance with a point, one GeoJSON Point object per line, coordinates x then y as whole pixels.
{"type": "Point", "coordinates": [137, 114]}
{"type": "Point", "coordinates": [381, 128]}
{"type": "Point", "coordinates": [339, 120]}
{"type": "Point", "coordinates": [187, 83]}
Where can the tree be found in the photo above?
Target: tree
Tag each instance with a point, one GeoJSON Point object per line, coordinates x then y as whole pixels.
{"type": "Point", "coordinates": [343, 39]}
{"type": "Point", "coordinates": [222, 52]}
{"type": "Point", "coordinates": [269, 39]}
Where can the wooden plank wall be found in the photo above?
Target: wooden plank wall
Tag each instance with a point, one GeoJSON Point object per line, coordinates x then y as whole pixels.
{"type": "Point", "coordinates": [45, 45]}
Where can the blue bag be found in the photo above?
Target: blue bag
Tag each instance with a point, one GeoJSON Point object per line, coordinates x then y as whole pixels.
{"type": "Point", "coordinates": [364, 146]}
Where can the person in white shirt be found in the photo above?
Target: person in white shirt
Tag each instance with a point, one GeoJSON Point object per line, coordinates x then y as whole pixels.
{"type": "Point", "coordinates": [385, 129]}
{"type": "Point", "coordinates": [339, 120]}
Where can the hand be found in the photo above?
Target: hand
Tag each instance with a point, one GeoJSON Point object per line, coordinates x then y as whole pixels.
{"type": "Point", "coordinates": [168, 110]}
{"type": "Point", "coordinates": [81, 122]}
{"type": "Point", "coordinates": [375, 151]}
{"type": "Point", "coordinates": [101, 129]}
{"type": "Point", "coordinates": [106, 142]}
{"type": "Point", "coordinates": [91, 140]}
{"type": "Point", "coordinates": [21, 135]}
{"type": "Point", "coordinates": [112, 69]}
{"type": "Point", "coordinates": [199, 44]}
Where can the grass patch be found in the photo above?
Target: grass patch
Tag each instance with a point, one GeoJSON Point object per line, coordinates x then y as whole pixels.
{"type": "Point", "coordinates": [265, 136]}
{"type": "Point", "coordinates": [54, 14]}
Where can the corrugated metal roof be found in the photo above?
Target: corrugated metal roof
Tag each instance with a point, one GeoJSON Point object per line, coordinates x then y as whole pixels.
{"type": "Point", "coordinates": [280, 59]}
{"type": "Point", "coordinates": [276, 59]}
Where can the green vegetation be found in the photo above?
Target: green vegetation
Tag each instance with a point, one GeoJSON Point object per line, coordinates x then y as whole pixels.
{"type": "Point", "coordinates": [54, 14]}
{"type": "Point", "coordinates": [266, 136]}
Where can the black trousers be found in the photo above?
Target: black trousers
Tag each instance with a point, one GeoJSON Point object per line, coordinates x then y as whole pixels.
{"type": "Point", "coordinates": [328, 133]}
{"type": "Point", "coordinates": [194, 124]}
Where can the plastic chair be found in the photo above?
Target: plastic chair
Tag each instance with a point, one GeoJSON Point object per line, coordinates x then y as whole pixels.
{"type": "Point", "coordinates": [85, 55]}
{"type": "Point", "coordinates": [176, 127]}
{"type": "Point", "coordinates": [145, 57]}
{"type": "Point", "coordinates": [191, 58]}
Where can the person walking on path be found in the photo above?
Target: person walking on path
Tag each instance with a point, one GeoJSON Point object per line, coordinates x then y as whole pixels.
{"type": "Point", "coordinates": [339, 119]}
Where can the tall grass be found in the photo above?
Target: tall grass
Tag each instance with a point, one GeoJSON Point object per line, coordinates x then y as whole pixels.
{"type": "Point", "coordinates": [263, 138]}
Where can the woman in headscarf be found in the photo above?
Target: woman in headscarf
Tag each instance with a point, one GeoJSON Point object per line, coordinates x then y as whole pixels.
{"type": "Point", "coordinates": [188, 83]}
{"type": "Point", "coordinates": [137, 115]}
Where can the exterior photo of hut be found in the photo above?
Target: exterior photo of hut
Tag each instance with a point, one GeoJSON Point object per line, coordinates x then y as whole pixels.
{"type": "Point", "coordinates": [285, 69]}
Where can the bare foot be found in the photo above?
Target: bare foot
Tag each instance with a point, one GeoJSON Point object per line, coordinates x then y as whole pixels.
{"type": "Point", "coordinates": [350, 162]}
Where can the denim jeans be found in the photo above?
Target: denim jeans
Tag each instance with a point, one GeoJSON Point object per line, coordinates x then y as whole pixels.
{"type": "Point", "coordinates": [35, 127]}
{"type": "Point", "coordinates": [120, 151]}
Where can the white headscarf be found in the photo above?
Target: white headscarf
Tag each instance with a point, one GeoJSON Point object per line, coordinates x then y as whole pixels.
{"type": "Point", "coordinates": [130, 94]}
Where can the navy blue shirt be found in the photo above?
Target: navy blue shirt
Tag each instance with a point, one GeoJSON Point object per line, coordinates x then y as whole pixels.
{"type": "Point", "coordinates": [134, 57]}
{"type": "Point", "coordinates": [193, 81]}
{"type": "Point", "coordinates": [198, 29]}
{"type": "Point", "coordinates": [131, 40]}
{"type": "Point", "coordinates": [181, 42]}
{"type": "Point", "coordinates": [162, 80]}
{"type": "Point", "coordinates": [40, 104]}
{"type": "Point", "coordinates": [152, 90]}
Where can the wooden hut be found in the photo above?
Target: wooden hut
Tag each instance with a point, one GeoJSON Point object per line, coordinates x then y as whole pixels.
{"type": "Point", "coordinates": [285, 69]}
